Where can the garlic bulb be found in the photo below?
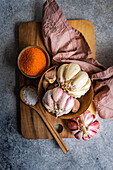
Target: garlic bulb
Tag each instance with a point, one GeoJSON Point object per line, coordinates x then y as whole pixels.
{"type": "Point", "coordinates": [72, 80]}
{"type": "Point", "coordinates": [84, 126]}
{"type": "Point", "coordinates": [58, 102]}
{"type": "Point", "coordinates": [50, 78]}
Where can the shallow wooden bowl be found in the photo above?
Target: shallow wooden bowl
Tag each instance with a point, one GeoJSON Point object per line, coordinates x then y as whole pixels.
{"type": "Point", "coordinates": [85, 100]}
{"type": "Point", "coordinates": [47, 58]}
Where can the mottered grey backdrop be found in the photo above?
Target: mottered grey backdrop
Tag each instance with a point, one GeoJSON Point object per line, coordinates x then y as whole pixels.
{"type": "Point", "coordinates": [17, 153]}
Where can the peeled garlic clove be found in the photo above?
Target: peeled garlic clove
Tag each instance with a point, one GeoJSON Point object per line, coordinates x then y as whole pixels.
{"type": "Point", "coordinates": [60, 73]}
{"type": "Point", "coordinates": [57, 94]}
{"type": "Point", "coordinates": [45, 84]}
{"type": "Point", "coordinates": [76, 106]}
{"type": "Point", "coordinates": [51, 76]}
{"type": "Point", "coordinates": [71, 70]}
{"type": "Point", "coordinates": [80, 80]}
{"type": "Point", "coordinates": [69, 104]}
{"type": "Point", "coordinates": [62, 101]}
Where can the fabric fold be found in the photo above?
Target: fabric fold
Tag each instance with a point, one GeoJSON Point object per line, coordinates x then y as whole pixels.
{"type": "Point", "coordinates": [66, 44]}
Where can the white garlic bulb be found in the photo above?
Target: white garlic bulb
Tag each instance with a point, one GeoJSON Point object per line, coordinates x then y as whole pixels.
{"type": "Point", "coordinates": [72, 80]}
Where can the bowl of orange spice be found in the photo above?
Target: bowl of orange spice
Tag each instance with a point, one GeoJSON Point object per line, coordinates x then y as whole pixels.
{"type": "Point", "coordinates": [33, 61]}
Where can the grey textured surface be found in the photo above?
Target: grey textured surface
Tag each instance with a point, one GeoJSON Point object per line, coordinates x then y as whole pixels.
{"type": "Point", "coordinates": [17, 153]}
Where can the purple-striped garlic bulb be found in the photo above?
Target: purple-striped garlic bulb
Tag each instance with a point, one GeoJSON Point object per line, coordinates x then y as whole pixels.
{"type": "Point", "coordinates": [84, 126]}
{"type": "Point", "coordinates": [58, 102]}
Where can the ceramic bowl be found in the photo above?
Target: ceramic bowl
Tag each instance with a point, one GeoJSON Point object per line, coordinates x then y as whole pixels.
{"type": "Point", "coordinates": [85, 100]}
{"type": "Point", "coordinates": [47, 65]}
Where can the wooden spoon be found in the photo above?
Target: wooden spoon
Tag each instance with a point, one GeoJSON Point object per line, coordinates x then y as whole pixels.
{"type": "Point", "coordinates": [39, 108]}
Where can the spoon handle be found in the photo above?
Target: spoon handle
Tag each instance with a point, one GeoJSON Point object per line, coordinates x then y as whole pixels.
{"type": "Point", "coordinates": [53, 131]}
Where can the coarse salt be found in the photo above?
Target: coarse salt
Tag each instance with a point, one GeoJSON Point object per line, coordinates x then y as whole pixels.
{"type": "Point", "coordinates": [30, 96]}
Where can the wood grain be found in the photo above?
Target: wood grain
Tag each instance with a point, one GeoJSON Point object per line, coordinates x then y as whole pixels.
{"type": "Point", "coordinates": [32, 126]}
{"type": "Point", "coordinates": [41, 111]}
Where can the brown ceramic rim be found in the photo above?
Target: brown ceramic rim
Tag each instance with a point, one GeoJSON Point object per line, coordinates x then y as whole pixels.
{"type": "Point", "coordinates": [47, 57]}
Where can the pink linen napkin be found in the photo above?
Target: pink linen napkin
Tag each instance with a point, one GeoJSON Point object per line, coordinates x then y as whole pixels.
{"type": "Point", "coordinates": [66, 45]}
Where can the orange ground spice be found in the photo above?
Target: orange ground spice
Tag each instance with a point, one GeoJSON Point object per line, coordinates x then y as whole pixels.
{"type": "Point", "coordinates": [33, 61]}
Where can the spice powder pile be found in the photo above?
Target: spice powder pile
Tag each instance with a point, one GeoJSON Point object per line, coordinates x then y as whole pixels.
{"type": "Point", "coordinates": [33, 61]}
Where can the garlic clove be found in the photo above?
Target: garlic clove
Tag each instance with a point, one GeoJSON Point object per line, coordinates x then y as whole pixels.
{"type": "Point", "coordinates": [57, 94]}
{"type": "Point", "coordinates": [94, 126]}
{"type": "Point", "coordinates": [51, 76]}
{"type": "Point", "coordinates": [79, 135]}
{"type": "Point", "coordinates": [73, 125]}
{"type": "Point", "coordinates": [45, 84]}
{"type": "Point", "coordinates": [48, 107]}
{"type": "Point", "coordinates": [80, 80]}
{"type": "Point", "coordinates": [47, 99]}
{"type": "Point", "coordinates": [59, 113]}
{"type": "Point", "coordinates": [74, 132]}
{"type": "Point", "coordinates": [85, 87]}
{"type": "Point", "coordinates": [71, 70]}
{"type": "Point", "coordinates": [60, 73]}
{"type": "Point", "coordinates": [77, 93]}
{"type": "Point", "coordinates": [76, 106]}
{"type": "Point", "coordinates": [69, 104]}
{"type": "Point", "coordinates": [91, 133]}
{"type": "Point", "coordinates": [62, 101]}
{"type": "Point", "coordinates": [88, 118]}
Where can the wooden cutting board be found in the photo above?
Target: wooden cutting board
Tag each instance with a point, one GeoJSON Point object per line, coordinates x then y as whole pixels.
{"type": "Point", "coordinates": [32, 126]}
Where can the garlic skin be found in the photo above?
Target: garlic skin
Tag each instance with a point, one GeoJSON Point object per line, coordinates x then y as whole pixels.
{"type": "Point", "coordinates": [77, 93]}
{"type": "Point", "coordinates": [45, 84]}
{"type": "Point", "coordinates": [80, 80]}
{"type": "Point", "coordinates": [50, 78]}
{"type": "Point", "coordinates": [60, 73]}
{"type": "Point", "coordinates": [84, 126]}
{"type": "Point", "coordinates": [58, 102]}
{"type": "Point", "coordinates": [76, 106]}
{"type": "Point", "coordinates": [48, 101]}
{"type": "Point", "coordinates": [66, 72]}
{"type": "Point", "coordinates": [72, 80]}
{"type": "Point", "coordinates": [71, 70]}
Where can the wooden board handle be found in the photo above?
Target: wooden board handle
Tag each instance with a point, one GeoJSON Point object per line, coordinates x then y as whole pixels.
{"type": "Point", "coordinates": [53, 131]}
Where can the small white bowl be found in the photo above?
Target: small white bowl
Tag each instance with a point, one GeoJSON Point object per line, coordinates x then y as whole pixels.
{"type": "Point", "coordinates": [47, 57]}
